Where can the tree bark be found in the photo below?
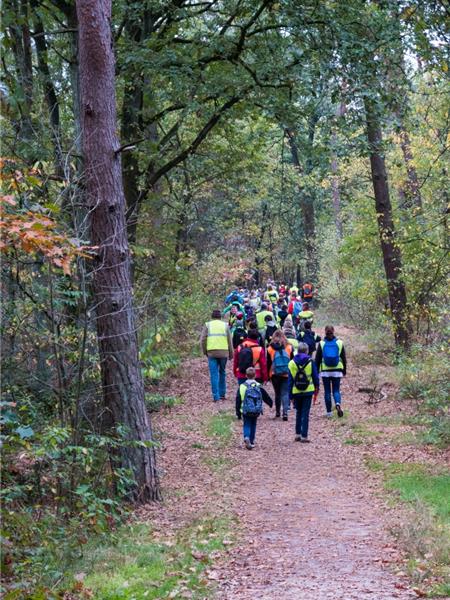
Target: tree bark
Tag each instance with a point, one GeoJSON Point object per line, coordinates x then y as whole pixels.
{"type": "Point", "coordinates": [391, 252]}
{"type": "Point", "coordinates": [123, 387]}
{"type": "Point", "coordinates": [49, 89]}
{"type": "Point", "coordinates": [306, 199]}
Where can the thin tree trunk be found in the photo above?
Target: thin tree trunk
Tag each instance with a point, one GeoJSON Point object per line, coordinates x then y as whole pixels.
{"type": "Point", "coordinates": [123, 387]}
{"type": "Point", "coordinates": [306, 200]}
{"type": "Point", "coordinates": [391, 252]}
{"type": "Point", "coordinates": [49, 90]}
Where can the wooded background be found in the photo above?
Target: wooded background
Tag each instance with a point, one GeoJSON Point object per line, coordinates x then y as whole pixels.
{"type": "Point", "coordinates": [157, 153]}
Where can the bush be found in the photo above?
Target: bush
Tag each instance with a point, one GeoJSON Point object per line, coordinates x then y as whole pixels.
{"type": "Point", "coordinates": [424, 377]}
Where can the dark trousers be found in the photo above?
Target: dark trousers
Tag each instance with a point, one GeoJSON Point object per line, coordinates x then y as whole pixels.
{"type": "Point", "coordinates": [249, 427]}
{"type": "Point", "coordinates": [281, 389]}
{"type": "Point", "coordinates": [303, 406]}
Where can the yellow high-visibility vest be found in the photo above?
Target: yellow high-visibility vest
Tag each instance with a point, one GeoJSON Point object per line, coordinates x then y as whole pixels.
{"type": "Point", "coordinates": [217, 335]}
{"type": "Point", "coordinates": [293, 368]}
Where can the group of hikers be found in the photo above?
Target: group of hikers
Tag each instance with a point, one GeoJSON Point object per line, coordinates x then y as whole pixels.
{"type": "Point", "coordinates": [269, 336]}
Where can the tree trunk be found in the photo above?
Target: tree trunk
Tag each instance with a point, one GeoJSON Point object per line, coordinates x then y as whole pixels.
{"type": "Point", "coordinates": [123, 387]}
{"type": "Point", "coordinates": [49, 89]}
{"type": "Point", "coordinates": [306, 199]}
{"type": "Point", "coordinates": [391, 252]}
{"type": "Point", "coordinates": [335, 184]}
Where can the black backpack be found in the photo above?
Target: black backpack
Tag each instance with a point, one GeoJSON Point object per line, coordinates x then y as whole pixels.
{"type": "Point", "coordinates": [245, 359]}
{"type": "Point", "coordinates": [301, 379]}
{"type": "Point", "coordinates": [309, 338]}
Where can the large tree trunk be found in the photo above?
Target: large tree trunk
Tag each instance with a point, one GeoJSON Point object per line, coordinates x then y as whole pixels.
{"type": "Point", "coordinates": [391, 252]}
{"type": "Point", "coordinates": [123, 388]}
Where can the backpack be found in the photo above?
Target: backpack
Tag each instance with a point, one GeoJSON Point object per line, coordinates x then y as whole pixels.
{"type": "Point", "coordinates": [307, 290]}
{"type": "Point", "coordinates": [252, 404]}
{"type": "Point", "coordinates": [310, 339]}
{"type": "Point", "coordinates": [297, 308]}
{"type": "Point", "coordinates": [330, 353]}
{"type": "Point", "coordinates": [301, 379]}
{"type": "Point", "coordinates": [245, 359]}
{"type": "Point", "coordinates": [280, 362]}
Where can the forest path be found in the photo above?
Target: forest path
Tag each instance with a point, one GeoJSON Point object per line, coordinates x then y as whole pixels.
{"type": "Point", "coordinates": [312, 528]}
{"type": "Point", "coordinates": [311, 524]}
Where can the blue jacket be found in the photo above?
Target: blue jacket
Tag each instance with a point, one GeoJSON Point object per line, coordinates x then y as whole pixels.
{"type": "Point", "coordinates": [302, 359]}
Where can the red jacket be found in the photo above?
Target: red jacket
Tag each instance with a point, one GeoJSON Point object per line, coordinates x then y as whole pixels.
{"type": "Point", "coordinates": [259, 360]}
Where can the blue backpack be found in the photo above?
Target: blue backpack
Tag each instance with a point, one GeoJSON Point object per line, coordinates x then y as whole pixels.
{"type": "Point", "coordinates": [330, 353]}
{"type": "Point", "coordinates": [297, 308]}
{"type": "Point", "coordinates": [280, 362]}
{"type": "Point", "coordinates": [252, 405]}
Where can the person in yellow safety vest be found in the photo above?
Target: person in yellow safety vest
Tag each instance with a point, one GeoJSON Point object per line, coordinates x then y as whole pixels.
{"type": "Point", "coordinates": [305, 314]}
{"type": "Point", "coordinates": [332, 365]}
{"type": "Point", "coordinates": [216, 343]}
{"type": "Point", "coordinates": [303, 384]}
{"type": "Point", "coordinates": [271, 294]}
{"type": "Point", "coordinates": [294, 289]}
{"type": "Point", "coordinates": [260, 318]}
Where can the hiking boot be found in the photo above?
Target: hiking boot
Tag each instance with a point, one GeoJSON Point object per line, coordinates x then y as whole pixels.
{"type": "Point", "coordinates": [247, 443]}
{"type": "Point", "coordinates": [222, 398]}
{"type": "Point", "coordinates": [339, 410]}
{"type": "Point", "coordinates": [285, 417]}
{"type": "Point", "coordinates": [304, 440]}
{"type": "Point", "coordinates": [329, 415]}
{"type": "Point", "coordinates": [277, 415]}
{"type": "Point", "coordinates": [298, 438]}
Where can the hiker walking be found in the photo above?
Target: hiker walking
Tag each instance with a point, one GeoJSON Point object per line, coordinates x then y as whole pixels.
{"type": "Point", "coordinates": [239, 333]}
{"type": "Point", "coordinates": [250, 354]}
{"type": "Point", "coordinates": [289, 332]}
{"type": "Point", "coordinates": [309, 337]}
{"type": "Point", "coordinates": [249, 398]}
{"type": "Point", "coordinates": [332, 364]}
{"type": "Point", "coordinates": [216, 344]}
{"type": "Point", "coordinates": [303, 385]}
{"type": "Point", "coordinates": [279, 353]}
{"type": "Point", "coordinates": [307, 292]}
{"type": "Point", "coordinates": [305, 315]}
{"type": "Point", "coordinates": [271, 327]}
{"type": "Point", "coordinates": [260, 318]}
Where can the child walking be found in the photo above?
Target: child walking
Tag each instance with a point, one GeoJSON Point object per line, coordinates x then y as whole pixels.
{"type": "Point", "coordinates": [249, 398]}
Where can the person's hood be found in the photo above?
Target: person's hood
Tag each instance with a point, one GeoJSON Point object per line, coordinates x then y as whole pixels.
{"type": "Point", "coordinates": [288, 331]}
{"type": "Point", "coordinates": [301, 359]}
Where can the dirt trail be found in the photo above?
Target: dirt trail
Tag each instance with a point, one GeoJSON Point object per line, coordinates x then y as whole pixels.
{"type": "Point", "coordinates": [312, 527]}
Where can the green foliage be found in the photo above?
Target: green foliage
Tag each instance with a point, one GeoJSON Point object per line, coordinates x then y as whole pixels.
{"type": "Point", "coordinates": [156, 402]}
{"type": "Point", "coordinates": [424, 377]}
{"type": "Point", "coordinates": [138, 563]}
{"type": "Point", "coordinates": [220, 427]}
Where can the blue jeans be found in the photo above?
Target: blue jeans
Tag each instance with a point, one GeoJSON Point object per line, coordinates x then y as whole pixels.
{"type": "Point", "coordinates": [303, 406]}
{"type": "Point", "coordinates": [331, 383]}
{"type": "Point", "coordinates": [281, 389]}
{"type": "Point", "coordinates": [217, 375]}
{"type": "Point", "coordinates": [249, 427]}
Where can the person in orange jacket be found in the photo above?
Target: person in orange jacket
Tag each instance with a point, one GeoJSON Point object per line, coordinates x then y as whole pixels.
{"type": "Point", "coordinates": [243, 359]}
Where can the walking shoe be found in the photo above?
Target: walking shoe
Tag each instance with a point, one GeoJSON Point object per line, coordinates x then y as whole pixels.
{"type": "Point", "coordinates": [339, 410]}
{"type": "Point", "coordinates": [298, 438]}
{"type": "Point", "coordinates": [304, 440]}
{"type": "Point", "coordinates": [253, 445]}
{"type": "Point", "coordinates": [329, 415]}
{"type": "Point", "coordinates": [222, 398]}
{"type": "Point", "coordinates": [277, 415]}
{"type": "Point", "coordinates": [247, 443]}
{"type": "Point", "coordinates": [285, 417]}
